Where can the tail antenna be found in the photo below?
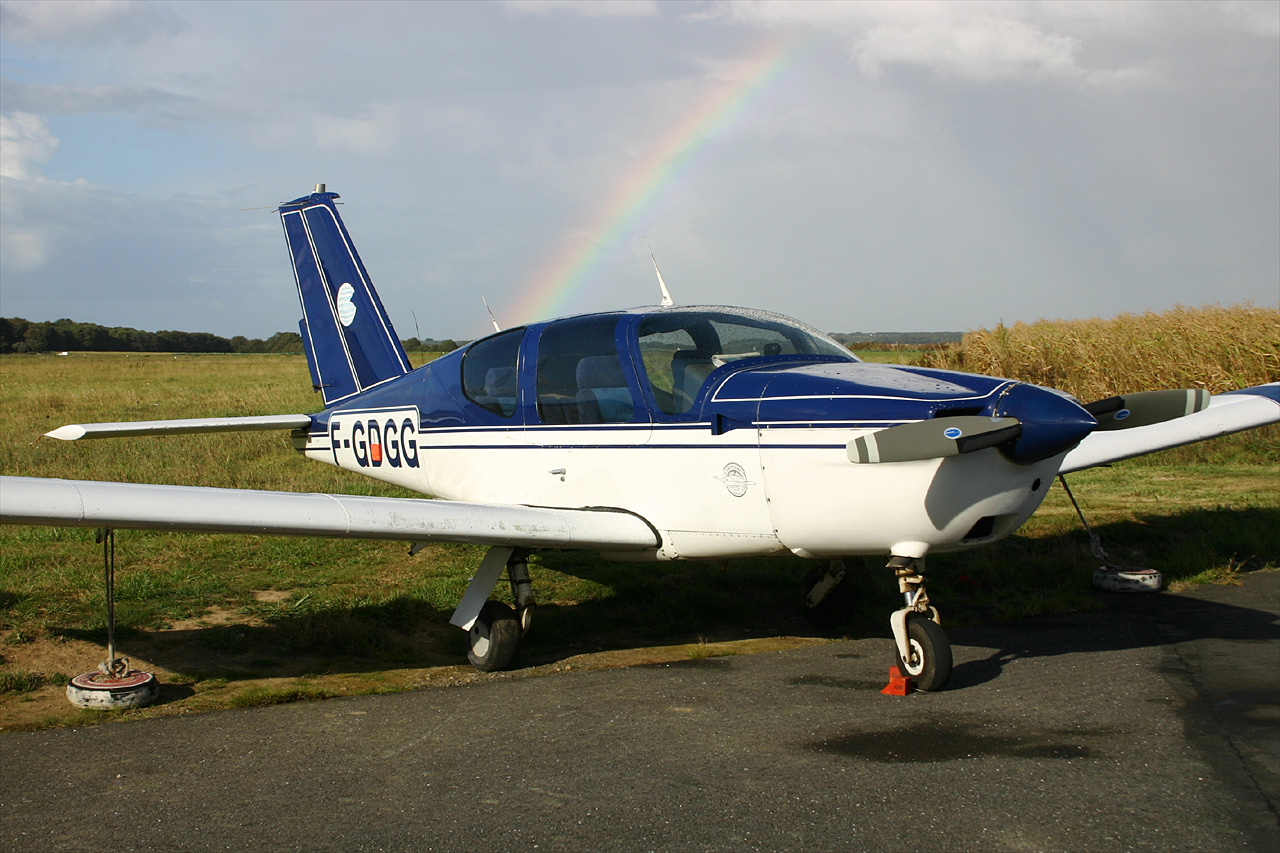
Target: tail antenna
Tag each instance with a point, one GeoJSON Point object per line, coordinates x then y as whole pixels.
{"type": "Point", "coordinates": [666, 294]}
{"type": "Point", "coordinates": [496, 327]}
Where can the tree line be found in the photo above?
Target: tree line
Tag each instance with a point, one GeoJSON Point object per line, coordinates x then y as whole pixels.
{"type": "Point", "coordinates": [19, 335]}
{"type": "Point", "coordinates": [897, 340]}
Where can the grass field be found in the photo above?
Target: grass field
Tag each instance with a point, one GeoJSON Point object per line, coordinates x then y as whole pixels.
{"type": "Point", "coordinates": [234, 620]}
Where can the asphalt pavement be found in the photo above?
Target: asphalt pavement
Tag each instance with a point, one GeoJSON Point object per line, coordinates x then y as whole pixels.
{"type": "Point", "coordinates": [1154, 725]}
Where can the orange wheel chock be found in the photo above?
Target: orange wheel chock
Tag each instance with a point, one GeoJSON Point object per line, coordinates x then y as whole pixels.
{"type": "Point", "coordinates": [899, 684]}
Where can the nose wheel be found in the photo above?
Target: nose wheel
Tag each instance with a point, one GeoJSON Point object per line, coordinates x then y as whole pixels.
{"type": "Point", "coordinates": [928, 659]}
{"type": "Point", "coordinates": [922, 651]}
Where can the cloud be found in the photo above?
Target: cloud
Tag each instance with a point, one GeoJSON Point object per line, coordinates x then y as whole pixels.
{"type": "Point", "coordinates": [185, 262]}
{"type": "Point", "coordinates": [966, 155]}
{"type": "Point", "coordinates": [587, 8]}
{"type": "Point", "coordinates": [25, 250]}
{"type": "Point", "coordinates": [24, 141]}
{"type": "Point", "coordinates": [980, 42]}
{"type": "Point", "coordinates": [1259, 19]}
{"type": "Point", "coordinates": [372, 133]}
{"type": "Point", "coordinates": [980, 49]}
{"type": "Point", "coordinates": [155, 105]}
{"type": "Point", "coordinates": [74, 22]}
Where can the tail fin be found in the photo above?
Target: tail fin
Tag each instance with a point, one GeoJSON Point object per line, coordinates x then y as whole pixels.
{"type": "Point", "coordinates": [348, 337]}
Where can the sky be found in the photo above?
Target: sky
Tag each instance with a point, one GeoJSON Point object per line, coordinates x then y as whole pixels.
{"type": "Point", "coordinates": [867, 166]}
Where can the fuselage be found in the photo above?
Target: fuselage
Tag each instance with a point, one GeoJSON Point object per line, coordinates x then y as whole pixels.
{"type": "Point", "coordinates": [726, 429]}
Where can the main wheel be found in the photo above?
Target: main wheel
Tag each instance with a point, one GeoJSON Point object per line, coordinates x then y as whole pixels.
{"type": "Point", "coordinates": [494, 638]}
{"type": "Point", "coordinates": [930, 663]}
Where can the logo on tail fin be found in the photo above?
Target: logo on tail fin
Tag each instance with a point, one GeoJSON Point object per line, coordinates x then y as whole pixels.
{"type": "Point", "coordinates": [346, 308]}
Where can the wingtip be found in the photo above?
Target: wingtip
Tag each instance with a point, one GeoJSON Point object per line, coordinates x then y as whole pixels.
{"type": "Point", "coordinates": [70, 432]}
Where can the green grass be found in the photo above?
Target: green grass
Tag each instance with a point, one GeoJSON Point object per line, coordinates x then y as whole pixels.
{"type": "Point", "coordinates": [221, 613]}
{"type": "Point", "coordinates": [258, 696]}
{"type": "Point", "coordinates": [21, 681]}
{"type": "Point", "coordinates": [890, 356]}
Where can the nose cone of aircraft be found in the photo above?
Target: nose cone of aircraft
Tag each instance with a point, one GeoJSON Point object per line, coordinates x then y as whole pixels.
{"type": "Point", "coordinates": [1051, 422]}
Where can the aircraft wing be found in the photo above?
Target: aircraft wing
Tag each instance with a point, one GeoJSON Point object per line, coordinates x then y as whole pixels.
{"type": "Point", "coordinates": [84, 503]}
{"type": "Point", "coordinates": [1234, 411]}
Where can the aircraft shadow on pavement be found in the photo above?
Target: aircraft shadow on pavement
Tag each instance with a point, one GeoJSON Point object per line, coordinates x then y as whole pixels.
{"type": "Point", "coordinates": [1180, 545]}
{"type": "Point", "coordinates": [400, 633]}
{"type": "Point", "coordinates": [673, 603]}
{"type": "Point", "coordinates": [1129, 622]}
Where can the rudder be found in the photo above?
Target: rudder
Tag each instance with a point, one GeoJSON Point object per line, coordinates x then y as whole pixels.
{"type": "Point", "coordinates": [350, 343]}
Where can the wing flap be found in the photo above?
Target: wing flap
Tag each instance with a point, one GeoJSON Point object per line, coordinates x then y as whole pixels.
{"type": "Point", "coordinates": [1227, 413]}
{"type": "Point", "coordinates": [85, 503]}
{"type": "Point", "coordinates": [72, 432]}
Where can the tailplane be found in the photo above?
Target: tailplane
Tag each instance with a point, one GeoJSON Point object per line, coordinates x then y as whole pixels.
{"type": "Point", "coordinates": [347, 335]}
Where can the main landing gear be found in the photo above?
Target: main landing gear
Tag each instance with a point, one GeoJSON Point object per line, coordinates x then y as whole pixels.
{"type": "Point", "coordinates": [923, 652]}
{"type": "Point", "coordinates": [494, 628]}
{"type": "Point", "coordinates": [828, 595]}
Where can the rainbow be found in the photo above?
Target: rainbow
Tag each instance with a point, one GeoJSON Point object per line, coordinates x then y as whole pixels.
{"type": "Point", "coordinates": [631, 203]}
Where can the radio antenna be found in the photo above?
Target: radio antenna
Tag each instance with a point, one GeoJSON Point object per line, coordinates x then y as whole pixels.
{"type": "Point", "coordinates": [666, 295]}
{"type": "Point", "coordinates": [496, 327]}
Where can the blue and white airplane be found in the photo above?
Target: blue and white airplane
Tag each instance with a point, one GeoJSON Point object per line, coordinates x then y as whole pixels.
{"type": "Point", "coordinates": [663, 433]}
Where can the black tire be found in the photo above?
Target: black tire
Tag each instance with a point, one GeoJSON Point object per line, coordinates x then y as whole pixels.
{"type": "Point", "coordinates": [494, 639]}
{"type": "Point", "coordinates": [836, 608]}
{"type": "Point", "coordinates": [930, 664]}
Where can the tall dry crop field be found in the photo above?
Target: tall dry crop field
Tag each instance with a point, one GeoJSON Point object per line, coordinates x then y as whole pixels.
{"type": "Point", "coordinates": [1213, 347]}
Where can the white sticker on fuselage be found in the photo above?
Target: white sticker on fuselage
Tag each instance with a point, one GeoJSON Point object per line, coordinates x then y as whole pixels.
{"type": "Point", "coordinates": [386, 439]}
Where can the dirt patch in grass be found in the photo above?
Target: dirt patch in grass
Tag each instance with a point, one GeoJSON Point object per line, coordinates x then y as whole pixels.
{"type": "Point", "coordinates": [272, 596]}
{"type": "Point", "coordinates": [203, 684]}
{"type": "Point", "coordinates": [213, 617]}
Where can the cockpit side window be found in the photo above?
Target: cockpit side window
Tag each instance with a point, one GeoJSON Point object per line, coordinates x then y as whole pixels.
{"type": "Point", "coordinates": [673, 362]}
{"type": "Point", "coordinates": [581, 379]}
{"type": "Point", "coordinates": [680, 349]}
{"type": "Point", "coordinates": [489, 372]}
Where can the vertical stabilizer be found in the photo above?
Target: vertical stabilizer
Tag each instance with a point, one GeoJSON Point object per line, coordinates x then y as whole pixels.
{"type": "Point", "coordinates": [350, 343]}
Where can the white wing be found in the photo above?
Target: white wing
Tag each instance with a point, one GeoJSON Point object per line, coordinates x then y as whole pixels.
{"type": "Point", "coordinates": [1226, 413]}
{"type": "Point", "coordinates": [83, 503]}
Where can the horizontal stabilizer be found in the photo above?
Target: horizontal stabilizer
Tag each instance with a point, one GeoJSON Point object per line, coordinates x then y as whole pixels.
{"type": "Point", "coordinates": [138, 506]}
{"type": "Point", "coordinates": [122, 429]}
{"type": "Point", "coordinates": [1226, 413]}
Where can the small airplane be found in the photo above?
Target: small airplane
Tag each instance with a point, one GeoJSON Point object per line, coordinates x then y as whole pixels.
{"type": "Point", "coordinates": [659, 433]}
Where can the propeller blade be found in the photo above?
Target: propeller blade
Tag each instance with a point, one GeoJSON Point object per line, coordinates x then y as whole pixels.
{"type": "Point", "coordinates": [933, 439]}
{"type": "Point", "coordinates": [1147, 407]}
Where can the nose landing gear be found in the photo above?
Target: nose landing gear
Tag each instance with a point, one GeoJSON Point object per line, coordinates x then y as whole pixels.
{"type": "Point", "coordinates": [923, 651]}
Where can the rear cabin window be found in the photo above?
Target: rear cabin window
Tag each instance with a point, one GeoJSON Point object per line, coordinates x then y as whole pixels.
{"type": "Point", "coordinates": [489, 372]}
{"type": "Point", "coordinates": [580, 376]}
{"type": "Point", "coordinates": [681, 348]}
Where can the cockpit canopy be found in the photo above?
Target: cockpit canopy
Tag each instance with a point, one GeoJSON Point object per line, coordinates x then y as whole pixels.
{"type": "Point", "coordinates": [616, 368]}
{"type": "Point", "coordinates": [680, 348]}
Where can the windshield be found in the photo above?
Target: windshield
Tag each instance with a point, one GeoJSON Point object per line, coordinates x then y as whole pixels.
{"type": "Point", "coordinates": [681, 348]}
